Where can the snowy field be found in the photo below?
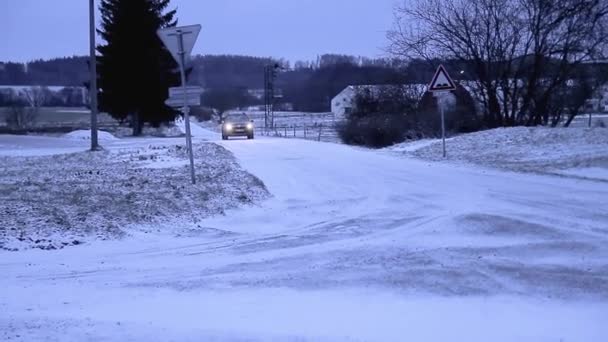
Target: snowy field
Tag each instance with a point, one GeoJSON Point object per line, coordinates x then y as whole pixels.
{"type": "Point", "coordinates": [353, 245]}
{"type": "Point", "coordinates": [575, 152]}
{"type": "Point", "coordinates": [301, 125]}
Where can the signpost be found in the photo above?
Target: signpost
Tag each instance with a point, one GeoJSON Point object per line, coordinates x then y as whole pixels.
{"type": "Point", "coordinates": [178, 95]}
{"type": "Point", "coordinates": [180, 42]}
{"type": "Point", "coordinates": [442, 82]}
{"type": "Point", "coordinates": [178, 102]}
{"type": "Point", "coordinates": [190, 90]}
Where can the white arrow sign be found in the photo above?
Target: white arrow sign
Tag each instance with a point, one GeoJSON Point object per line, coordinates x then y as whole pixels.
{"type": "Point", "coordinates": [190, 90]}
{"type": "Point", "coordinates": [180, 101]}
{"type": "Point", "coordinates": [171, 38]}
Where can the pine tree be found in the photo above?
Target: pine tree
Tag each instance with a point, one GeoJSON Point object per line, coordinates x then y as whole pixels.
{"type": "Point", "coordinates": [135, 69]}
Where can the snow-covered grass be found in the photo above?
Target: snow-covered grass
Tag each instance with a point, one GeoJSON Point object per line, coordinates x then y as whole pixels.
{"type": "Point", "coordinates": [560, 151]}
{"type": "Point", "coordinates": [52, 201]}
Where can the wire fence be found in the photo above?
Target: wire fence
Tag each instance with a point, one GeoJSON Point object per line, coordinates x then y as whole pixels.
{"type": "Point", "coordinates": [318, 132]}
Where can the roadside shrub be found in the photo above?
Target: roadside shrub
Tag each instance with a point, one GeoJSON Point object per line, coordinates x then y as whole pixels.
{"type": "Point", "coordinates": [202, 113]}
{"type": "Point", "coordinates": [460, 114]}
{"type": "Point", "coordinates": [390, 114]}
{"type": "Point", "coordinates": [21, 117]}
{"type": "Point", "coordinates": [373, 131]}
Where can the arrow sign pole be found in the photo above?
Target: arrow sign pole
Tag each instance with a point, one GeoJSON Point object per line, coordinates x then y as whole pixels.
{"type": "Point", "coordinates": [180, 49]}
{"type": "Point", "coordinates": [186, 109]}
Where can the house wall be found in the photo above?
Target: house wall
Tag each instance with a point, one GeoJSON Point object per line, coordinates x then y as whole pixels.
{"type": "Point", "coordinates": [343, 103]}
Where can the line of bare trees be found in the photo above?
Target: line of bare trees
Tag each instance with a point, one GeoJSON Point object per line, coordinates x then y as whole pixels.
{"type": "Point", "coordinates": [23, 113]}
{"type": "Point", "coordinates": [532, 61]}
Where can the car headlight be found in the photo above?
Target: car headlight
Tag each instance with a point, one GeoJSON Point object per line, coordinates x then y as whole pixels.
{"type": "Point", "coordinates": [228, 127]}
{"type": "Point", "coordinates": [249, 126]}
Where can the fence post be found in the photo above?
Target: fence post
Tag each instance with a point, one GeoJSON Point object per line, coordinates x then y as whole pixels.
{"type": "Point", "coordinates": [285, 131]}
{"type": "Point", "coordinates": [320, 131]}
{"type": "Point", "coordinates": [294, 131]}
{"type": "Point", "coordinates": [305, 129]}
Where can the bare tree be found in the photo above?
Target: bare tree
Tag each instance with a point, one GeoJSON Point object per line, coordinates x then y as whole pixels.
{"type": "Point", "coordinates": [573, 98]}
{"type": "Point", "coordinates": [565, 34]}
{"type": "Point", "coordinates": [519, 52]}
{"type": "Point", "coordinates": [21, 116]}
{"type": "Point", "coordinates": [36, 96]}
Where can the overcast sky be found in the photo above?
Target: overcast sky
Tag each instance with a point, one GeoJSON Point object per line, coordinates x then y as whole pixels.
{"type": "Point", "coordinates": [293, 29]}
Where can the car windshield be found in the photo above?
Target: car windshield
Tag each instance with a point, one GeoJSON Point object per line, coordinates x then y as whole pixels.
{"type": "Point", "coordinates": [237, 118]}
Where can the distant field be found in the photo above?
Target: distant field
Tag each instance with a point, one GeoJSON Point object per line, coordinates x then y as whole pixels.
{"type": "Point", "coordinates": [596, 120]}
{"type": "Point", "coordinates": [317, 126]}
{"type": "Point", "coordinates": [58, 116]}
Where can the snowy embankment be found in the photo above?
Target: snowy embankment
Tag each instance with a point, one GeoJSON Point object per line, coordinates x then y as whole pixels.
{"type": "Point", "coordinates": [52, 201]}
{"type": "Point", "coordinates": [574, 152]}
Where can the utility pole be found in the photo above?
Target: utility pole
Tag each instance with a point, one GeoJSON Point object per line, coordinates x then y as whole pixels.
{"type": "Point", "coordinates": [442, 110]}
{"type": "Point", "coordinates": [270, 74]}
{"type": "Point", "coordinates": [93, 81]}
{"type": "Point", "coordinates": [266, 97]}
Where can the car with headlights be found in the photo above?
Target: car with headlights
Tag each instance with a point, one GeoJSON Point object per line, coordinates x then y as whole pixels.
{"type": "Point", "coordinates": [237, 125]}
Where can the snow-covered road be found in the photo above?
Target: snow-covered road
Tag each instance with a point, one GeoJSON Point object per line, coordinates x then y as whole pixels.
{"type": "Point", "coordinates": [354, 245]}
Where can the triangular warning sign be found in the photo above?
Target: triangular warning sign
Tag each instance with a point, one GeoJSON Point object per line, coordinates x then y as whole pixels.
{"type": "Point", "coordinates": [441, 81]}
{"type": "Point", "coordinates": [171, 38]}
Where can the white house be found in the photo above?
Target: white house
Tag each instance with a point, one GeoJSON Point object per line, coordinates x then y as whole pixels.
{"type": "Point", "coordinates": [601, 100]}
{"type": "Point", "coordinates": [344, 102]}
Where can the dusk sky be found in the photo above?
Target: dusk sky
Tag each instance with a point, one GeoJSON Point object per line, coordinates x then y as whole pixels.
{"type": "Point", "coordinates": [293, 29]}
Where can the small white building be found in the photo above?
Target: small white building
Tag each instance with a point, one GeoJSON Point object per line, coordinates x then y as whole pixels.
{"type": "Point", "coordinates": [598, 103]}
{"type": "Point", "coordinates": [344, 103]}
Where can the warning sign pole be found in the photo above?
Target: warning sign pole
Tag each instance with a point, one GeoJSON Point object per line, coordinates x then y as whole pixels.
{"type": "Point", "coordinates": [442, 82]}
{"type": "Point", "coordinates": [442, 110]}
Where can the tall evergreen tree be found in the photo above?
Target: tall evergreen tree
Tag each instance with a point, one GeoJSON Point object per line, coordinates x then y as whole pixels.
{"type": "Point", "coordinates": [135, 69]}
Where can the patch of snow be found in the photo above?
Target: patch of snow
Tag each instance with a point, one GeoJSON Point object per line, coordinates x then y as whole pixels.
{"type": "Point", "coordinates": [600, 173]}
{"type": "Point", "coordinates": [196, 130]}
{"type": "Point", "coordinates": [411, 146]}
{"type": "Point", "coordinates": [77, 111]}
{"type": "Point", "coordinates": [152, 314]}
{"type": "Point", "coordinates": [86, 135]}
{"type": "Point", "coordinates": [23, 146]}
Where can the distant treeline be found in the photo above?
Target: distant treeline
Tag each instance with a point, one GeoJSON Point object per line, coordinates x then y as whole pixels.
{"type": "Point", "coordinates": [308, 85]}
{"type": "Point", "coordinates": [69, 72]}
